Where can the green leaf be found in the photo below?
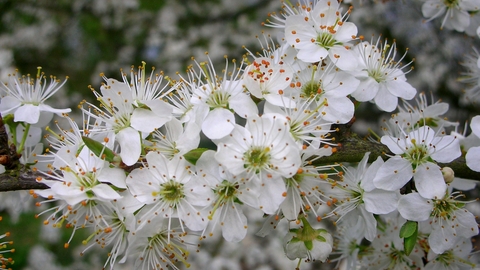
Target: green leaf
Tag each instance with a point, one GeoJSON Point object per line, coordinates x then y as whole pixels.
{"type": "Point", "coordinates": [194, 155]}
{"type": "Point", "coordinates": [408, 229]}
{"type": "Point", "coordinates": [409, 232]}
{"type": "Point", "coordinates": [409, 243]}
{"type": "Point", "coordinates": [99, 149]}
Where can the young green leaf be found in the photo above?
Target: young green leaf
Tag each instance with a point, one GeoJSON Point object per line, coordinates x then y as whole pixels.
{"type": "Point", "coordinates": [99, 149]}
{"type": "Point", "coordinates": [410, 242]}
{"type": "Point", "coordinates": [409, 232]}
{"type": "Point", "coordinates": [408, 229]}
{"type": "Point", "coordinates": [194, 155]}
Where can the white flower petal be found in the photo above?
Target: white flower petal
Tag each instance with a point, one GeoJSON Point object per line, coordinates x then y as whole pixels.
{"type": "Point", "coordinates": [105, 192]}
{"type": "Point", "coordinates": [321, 250]}
{"type": "Point", "coordinates": [271, 194]}
{"type": "Point", "coordinates": [130, 145]}
{"type": "Point", "coordinates": [371, 172]}
{"type": "Point", "coordinates": [141, 184]}
{"type": "Point", "coordinates": [401, 89]}
{"type": "Point", "coordinates": [473, 158]}
{"type": "Point", "coordinates": [8, 104]}
{"type": "Point", "coordinates": [115, 176]}
{"type": "Point", "coordinates": [218, 124]}
{"type": "Point", "coordinates": [380, 201]}
{"type": "Point", "coordinates": [146, 120]}
{"type": "Point", "coordinates": [467, 225]}
{"type": "Point", "coordinates": [447, 149]}
{"type": "Point", "coordinates": [396, 146]}
{"type": "Point", "coordinates": [475, 124]}
{"type": "Point", "coordinates": [343, 58]}
{"type": "Point", "coordinates": [34, 135]}
{"type": "Point", "coordinates": [194, 219]}
{"type": "Point", "coordinates": [234, 227]}
{"type": "Point", "coordinates": [385, 100]}
{"type": "Point", "coordinates": [393, 174]}
{"type": "Point", "coordinates": [243, 105]}
{"type": "Point", "coordinates": [414, 207]}
{"type": "Point", "coordinates": [340, 110]}
{"type": "Point", "coordinates": [366, 90]}
{"type": "Point", "coordinates": [370, 223]}
{"type": "Point", "coordinates": [27, 113]}
{"type": "Point", "coordinates": [429, 181]}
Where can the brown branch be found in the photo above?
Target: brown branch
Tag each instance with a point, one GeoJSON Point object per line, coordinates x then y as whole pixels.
{"type": "Point", "coordinates": [351, 149]}
{"type": "Point", "coordinates": [15, 178]}
{"type": "Point", "coordinates": [25, 181]}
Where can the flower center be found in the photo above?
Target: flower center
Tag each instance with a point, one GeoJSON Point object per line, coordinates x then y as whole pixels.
{"type": "Point", "coordinates": [257, 158]}
{"type": "Point", "coordinates": [218, 99]}
{"type": "Point", "coordinates": [446, 258]}
{"type": "Point", "coordinates": [326, 40]}
{"type": "Point", "coordinates": [311, 89]}
{"type": "Point", "coordinates": [450, 3]}
{"type": "Point", "coordinates": [417, 154]}
{"type": "Point", "coordinates": [444, 208]}
{"type": "Point", "coordinates": [121, 122]}
{"type": "Point", "coordinates": [172, 192]}
{"type": "Point", "coordinates": [378, 74]}
{"type": "Point", "coordinates": [227, 190]}
{"type": "Point", "coordinates": [427, 121]}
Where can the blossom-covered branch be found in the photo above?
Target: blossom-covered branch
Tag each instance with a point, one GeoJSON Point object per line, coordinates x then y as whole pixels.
{"type": "Point", "coordinates": [278, 120]}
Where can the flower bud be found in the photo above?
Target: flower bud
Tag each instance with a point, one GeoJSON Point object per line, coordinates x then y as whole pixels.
{"type": "Point", "coordinates": [307, 242]}
{"type": "Point", "coordinates": [448, 174]}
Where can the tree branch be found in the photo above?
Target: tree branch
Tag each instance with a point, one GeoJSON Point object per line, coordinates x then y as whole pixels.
{"type": "Point", "coordinates": [24, 181]}
{"type": "Point", "coordinates": [351, 149]}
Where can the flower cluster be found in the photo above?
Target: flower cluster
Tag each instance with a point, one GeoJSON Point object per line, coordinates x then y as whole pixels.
{"type": "Point", "coordinates": [136, 174]}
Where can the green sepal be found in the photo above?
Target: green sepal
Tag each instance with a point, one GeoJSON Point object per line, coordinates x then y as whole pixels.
{"type": "Point", "coordinates": [193, 155]}
{"type": "Point", "coordinates": [99, 149]}
{"type": "Point", "coordinates": [381, 225]}
{"type": "Point", "coordinates": [309, 244]}
{"type": "Point", "coordinates": [321, 238]}
{"type": "Point", "coordinates": [8, 119]}
{"type": "Point", "coordinates": [408, 229]}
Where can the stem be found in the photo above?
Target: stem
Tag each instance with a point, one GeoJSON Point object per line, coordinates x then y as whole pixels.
{"type": "Point", "coordinates": [374, 134]}
{"type": "Point", "coordinates": [24, 139]}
